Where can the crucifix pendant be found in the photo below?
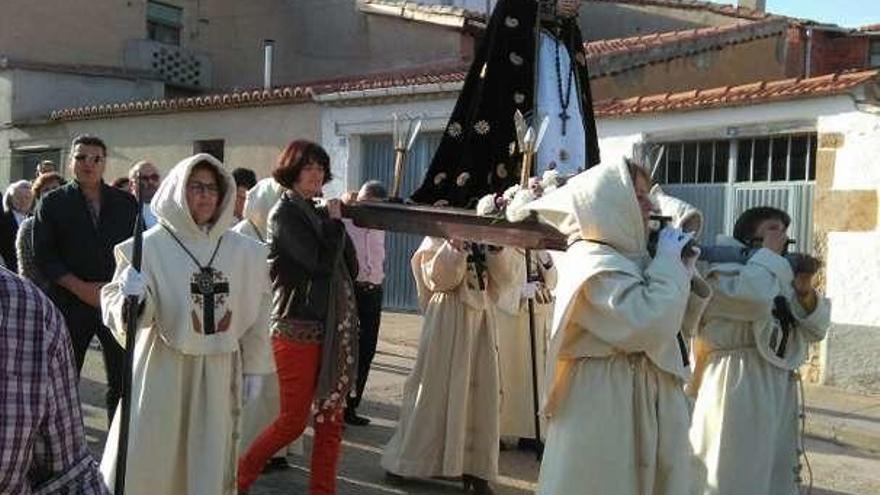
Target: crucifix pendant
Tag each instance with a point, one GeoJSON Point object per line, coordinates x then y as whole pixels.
{"type": "Point", "coordinates": [203, 284]}
{"type": "Point", "coordinates": [563, 115]}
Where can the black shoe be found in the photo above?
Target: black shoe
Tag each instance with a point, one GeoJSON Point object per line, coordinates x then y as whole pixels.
{"type": "Point", "coordinates": [530, 444]}
{"type": "Point", "coordinates": [276, 464]}
{"type": "Point", "coordinates": [476, 485]}
{"type": "Point", "coordinates": [353, 419]}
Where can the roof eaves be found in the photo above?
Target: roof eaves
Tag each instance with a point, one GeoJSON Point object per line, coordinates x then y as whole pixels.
{"type": "Point", "coordinates": [440, 15]}
{"type": "Point", "coordinates": [614, 56]}
{"type": "Point", "coordinates": [721, 9]}
{"type": "Point", "coordinates": [433, 80]}
{"type": "Point", "coordinates": [741, 95]}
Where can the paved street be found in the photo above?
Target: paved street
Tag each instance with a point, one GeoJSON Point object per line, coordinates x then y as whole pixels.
{"type": "Point", "coordinates": [837, 470]}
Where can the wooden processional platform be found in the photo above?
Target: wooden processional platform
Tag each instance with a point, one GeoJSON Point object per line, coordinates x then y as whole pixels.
{"type": "Point", "coordinates": [454, 223]}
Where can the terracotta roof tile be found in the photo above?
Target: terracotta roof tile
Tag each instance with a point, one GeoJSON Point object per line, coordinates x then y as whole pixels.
{"type": "Point", "coordinates": [745, 94]}
{"type": "Point", "coordinates": [613, 56]}
{"type": "Point", "coordinates": [613, 45]}
{"type": "Point", "coordinates": [726, 10]}
{"type": "Point", "coordinates": [260, 97]}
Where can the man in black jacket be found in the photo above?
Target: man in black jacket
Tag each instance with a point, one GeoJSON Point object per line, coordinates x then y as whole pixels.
{"type": "Point", "coordinates": [76, 228]}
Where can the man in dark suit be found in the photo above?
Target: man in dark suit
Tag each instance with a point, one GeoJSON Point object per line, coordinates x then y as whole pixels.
{"type": "Point", "coordinates": [16, 205]}
{"type": "Point", "coordinates": [76, 228]}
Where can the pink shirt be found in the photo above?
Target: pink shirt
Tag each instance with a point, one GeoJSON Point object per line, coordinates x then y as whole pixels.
{"type": "Point", "coordinates": [370, 247]}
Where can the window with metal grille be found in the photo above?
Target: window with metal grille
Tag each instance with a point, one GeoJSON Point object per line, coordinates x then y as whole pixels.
{"type": "Point", "coordinates": [164, 22]}
{"type": "Point", "coordinates": [781, 158]}
{"type": "Point", "coordinates": [776, 159]}
{"type": "Point", "coordinates": [694, 162]}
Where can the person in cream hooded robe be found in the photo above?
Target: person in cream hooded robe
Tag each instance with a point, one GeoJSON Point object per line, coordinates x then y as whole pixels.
{"type": "Point", "coordinates": [745, 422]}
{"type": "Point", "coordinates": [618, 416]}
{"type": "Point", "coordinates": [262, 411]}
{"type": "Point", "coordinates": [449, 414]}
{"type": "Point", "coordinates": [187, 382]}
{"type": "Point", "coordinates": [514, 348]}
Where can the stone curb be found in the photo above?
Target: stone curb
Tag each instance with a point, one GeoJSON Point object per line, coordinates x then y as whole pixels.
{"type": "Point", "coordinates": [842, 433]}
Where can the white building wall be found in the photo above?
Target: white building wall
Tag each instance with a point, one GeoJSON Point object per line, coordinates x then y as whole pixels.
{"type": "Point", "coordinates": [853, 345]}
{"type": "Point", "coordinates": [253, 137]}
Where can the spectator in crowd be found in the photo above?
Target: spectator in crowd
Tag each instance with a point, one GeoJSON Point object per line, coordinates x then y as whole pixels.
{"type": "Point", "coordinates": [24, 243]}
{"type": "Point", "coordinates": [370, 247]}
{"type": "Point", "coordinates": [43, 445]}
{"type": "Point", "coordinates": [17, 201]}
{"type": "Point", "coordinates": [121, 183]}
{"type": "Point", "coordinates": [76, 228]}
{"type": "Point", "coordinates": [244, 180]}
{"type": "Point", "coordinates": [314, 320]}
{"type": "Point", "coordinates": [149, 184]}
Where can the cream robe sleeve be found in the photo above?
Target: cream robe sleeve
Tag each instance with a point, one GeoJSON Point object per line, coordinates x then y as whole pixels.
{"type": "Point", "coordinates": [113, 300]}
{"type": "Point", "coordinates": [746, 292]}
{"type": "Point", "coordinates": [256, 349]}
{"type": "Point", "coordinates": [443, 270]}
{"type": "Point", "coordinates": [813, 326]}
{"type": "Point", "coordinates": [636, 314]}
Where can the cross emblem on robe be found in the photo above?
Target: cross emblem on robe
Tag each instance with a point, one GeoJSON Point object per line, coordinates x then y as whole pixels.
{"type": "Point", "coordinates": [204, 285]}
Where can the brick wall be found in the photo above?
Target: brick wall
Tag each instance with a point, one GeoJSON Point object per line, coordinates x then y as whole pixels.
{"type": "Point", "coordinates": [834, 52]}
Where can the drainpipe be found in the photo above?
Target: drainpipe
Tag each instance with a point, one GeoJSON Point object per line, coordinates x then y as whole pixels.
{"type": "Point", "coordinates": [808, 57]}
{"type": "Point", "coordinates": [268, 56]}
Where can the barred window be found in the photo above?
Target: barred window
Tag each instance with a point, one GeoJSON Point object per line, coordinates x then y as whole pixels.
{"type": "Point", "coordinates": [694, 162]}
{"type": "Point", "coordinates": [777, 159]}
{"type": "Point", "coordinates": [780, 158]}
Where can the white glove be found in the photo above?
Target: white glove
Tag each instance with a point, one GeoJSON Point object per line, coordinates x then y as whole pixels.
{"type": "Point", "coordinates": [529, 290]}
{"type": "Point", "coordinates": [133, 282]}
{"type": "Point", "coordinates": [251, 386]}
{"type": "Point", "coordinates": [671, 241]}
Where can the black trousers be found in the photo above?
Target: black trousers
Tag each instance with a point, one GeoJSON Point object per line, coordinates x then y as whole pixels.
{"type": "Point", "coordinates": [369, 303]}
{"type": "Point", "coordinates": [83, 325]}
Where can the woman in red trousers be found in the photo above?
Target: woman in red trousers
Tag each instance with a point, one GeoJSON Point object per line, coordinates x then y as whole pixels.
{"type": "Point", "coordinates": [314, 320]}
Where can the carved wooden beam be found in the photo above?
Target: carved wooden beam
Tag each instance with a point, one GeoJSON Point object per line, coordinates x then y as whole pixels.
{"type": "Point", "coordinates": [454, 223]}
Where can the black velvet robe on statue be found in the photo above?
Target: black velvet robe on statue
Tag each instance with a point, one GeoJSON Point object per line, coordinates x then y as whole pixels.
{"type": "Point", "coordinates": [478, 154]}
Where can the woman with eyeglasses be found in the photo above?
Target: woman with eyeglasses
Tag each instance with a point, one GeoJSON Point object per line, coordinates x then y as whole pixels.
{"type": "Point", "coordinates": [24, 242]}
{"type": "Point", "coordinates": [202, 345]}
{"type": "Point", "coordinates": [314, 324]}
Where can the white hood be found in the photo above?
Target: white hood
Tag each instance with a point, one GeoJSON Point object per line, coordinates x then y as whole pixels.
{"type": "Point", "coordinates": [597, 205]}
{"type": "Point", "coordinates": [170, 207]}
{"type": "Point", "coordinates": [260, 200]}
{"type": "Point", "coordinates": [684, 215]}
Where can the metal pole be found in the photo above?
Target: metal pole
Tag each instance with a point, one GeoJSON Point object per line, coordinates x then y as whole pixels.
{"type": "Point", "coordinates": [535, 399]}
{"type": "Point", "coordinates": [131, 317]}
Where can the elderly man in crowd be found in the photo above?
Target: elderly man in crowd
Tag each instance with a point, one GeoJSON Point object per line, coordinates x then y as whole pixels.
{"type": "Point", "coordinates": [17, 203]}
{"type": "Point", "coordinates": [150, 179]}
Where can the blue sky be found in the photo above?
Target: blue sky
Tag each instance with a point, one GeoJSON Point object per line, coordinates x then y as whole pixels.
{"type": "Point", "coordinates": [849, 13]}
